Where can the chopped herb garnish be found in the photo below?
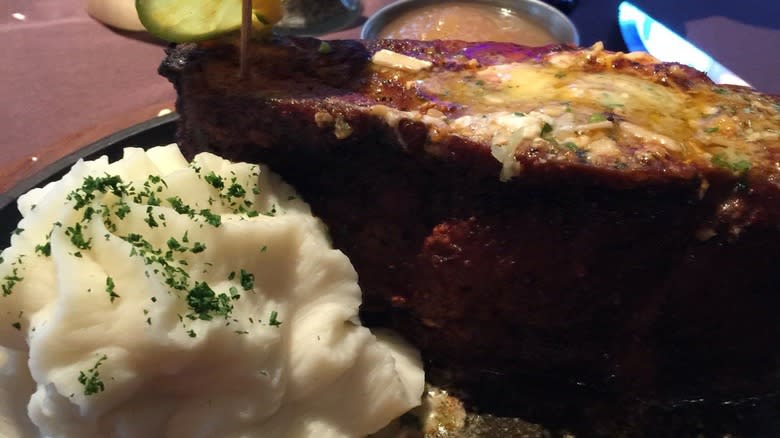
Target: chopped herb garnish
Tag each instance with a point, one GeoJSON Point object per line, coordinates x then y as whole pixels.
{"type": "Point", "coordinates": [91, 379]}
{"type": "Point", "coordinates": [44, 249]}
{"type": "Point", "coordinates": [711, 130]}
{"type": "Point", "coordinates": [597, 117]}
{"type": "Point", "coordinates": [179, 207]}
{"type": "Point", "coordinates": [739, 166]}
{"type": "Point", "coordinates": [110, 289]}
{"type": "Point", "coordinates": [272, 321]}
{"type": "Point", "coordinates": [236, 191]}
{"type": "Point", "coordinates": [264, 248]}
{"type": "Point", "coordinates": [215, 180]}
{"type": "Point", "coordinates": [17, 325]}
{"type": "Point", "coordinates": [150, 220]}
{"type": "Point", "coordinates": [560, 74]}
{"type": "Point", "coordinates": [18, 231]}
{"type": "Point", "coordinates": [546, 129]}
{"type": "Point", "coordinates": [325, 48]}
{"type": "Point", "coordinates": [174, 245]}
{"type": "Point", "coordinates": [479, 82]}
{"type": "Point", "coordinates": [720, 90]}
{"type": "Point", "coordinates": [198, 247]}
{"type": "Point", "coordinates": [211, 218]}
{"type": "Point", "coordinates": [9, 281]}
{"type": "Point", "coordinates": [247, 280]}
{"type": "Point", "coordinates": [86, 193]}
{"type": "Point", "coordinates": [77, 238]}
{"type": "Point", "coordinates": [122, 209]}
{"type": "Point", "coordinates": [231, 276]}
{"type": "Point", "coordinates": [206, 304]}
{"type": "Point", "coordinates": [519, 114]}
{"type": "Point", "coordinates": [272, 211]}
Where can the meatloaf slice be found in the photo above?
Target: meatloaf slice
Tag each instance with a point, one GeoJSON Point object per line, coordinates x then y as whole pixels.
{"type": "Point", "coordinates": [588, 216]}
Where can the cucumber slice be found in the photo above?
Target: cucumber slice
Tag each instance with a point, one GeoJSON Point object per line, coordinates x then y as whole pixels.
{"type": "Point", "coordinates": [196, 20]}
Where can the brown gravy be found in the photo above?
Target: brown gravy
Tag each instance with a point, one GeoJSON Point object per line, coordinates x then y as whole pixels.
{"type": "Point", "coordinates": [468, 22]}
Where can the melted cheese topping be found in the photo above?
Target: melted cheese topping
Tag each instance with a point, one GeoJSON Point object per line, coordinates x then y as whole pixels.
{"type": "Point", "coordinates": [576, 106]}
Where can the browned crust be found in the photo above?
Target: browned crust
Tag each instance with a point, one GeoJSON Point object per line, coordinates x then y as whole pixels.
{"type": "Point", "coordinates": [291, 81]}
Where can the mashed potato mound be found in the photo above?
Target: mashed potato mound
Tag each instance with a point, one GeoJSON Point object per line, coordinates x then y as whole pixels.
{"type": "Point", "coordinates": [152, 297]}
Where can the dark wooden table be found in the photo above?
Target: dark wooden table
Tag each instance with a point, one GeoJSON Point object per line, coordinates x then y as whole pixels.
{"type": "Point", "coordinates": [66, 80]}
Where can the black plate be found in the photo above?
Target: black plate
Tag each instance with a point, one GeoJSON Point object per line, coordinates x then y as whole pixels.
{"type": "Point", "coordinates": [154, 132]}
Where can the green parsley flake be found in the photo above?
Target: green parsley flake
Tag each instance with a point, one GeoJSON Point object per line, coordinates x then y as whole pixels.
{"type": "Point", "coordinates": [272, 321]}
{"type": "Point", "coordinates": [9, 281]}
{"type": "Point", "coordinates": [272, 211]}
{"type": "Point", "coordinates": [44, 250]}
{"type": "Point", "coordinates": [597, 117]}
{"type": "Point", "coordinates": [711, 130]}
{"type": "Point", "coordinates": [546, 129]}
{"type": "Point", "coordinates": [77, 237]}
{"type": "Point", "coordinates": [122, 209]}
{"type": "Point", "coordinates": [150, 220]}
{"type": "Point", "coordinates": [211, 218]}
{"type": "Point", "coordinates": [206, 304]}
{"type": "Point", "coordinates": [180, 207]}
{"type": "Point", "coordinates": [247, 280]}
{"type": "Point", "coordinates": [215, 180]}
{"type": "Point", "coordinates": [17, 325]}
{"type": "Point", "coordinates": [91, 379]}
{"type": "Point", "coordinates": [110, 289]}
{"type": "Point", "coordinates": [236, 191]}
{"type": "Point", "coordinates": [198, 247]}
{"type": "Point", "coordinates": [86, 193]}
{"type": "Point", "coordinates": [739, 166]}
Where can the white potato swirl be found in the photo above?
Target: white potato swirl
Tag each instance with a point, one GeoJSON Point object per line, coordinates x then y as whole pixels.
{"type": "Point", "coordinates": [198, 300]}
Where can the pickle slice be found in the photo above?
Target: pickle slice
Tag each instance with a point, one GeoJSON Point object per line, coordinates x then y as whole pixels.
{"type": "Point", "coordinates": [196, 20]}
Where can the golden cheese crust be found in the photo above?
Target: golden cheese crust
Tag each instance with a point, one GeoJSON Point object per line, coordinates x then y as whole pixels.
{"type": "Point", "coordinates": [554, 105]}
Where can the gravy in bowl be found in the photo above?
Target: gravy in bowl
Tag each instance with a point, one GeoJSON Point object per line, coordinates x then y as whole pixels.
{"type": "Point", "coordinates": [468, 22]}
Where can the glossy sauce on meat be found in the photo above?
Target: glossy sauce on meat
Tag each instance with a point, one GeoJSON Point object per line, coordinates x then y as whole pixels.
{"type": "Point", "coordinates": [467, 22]}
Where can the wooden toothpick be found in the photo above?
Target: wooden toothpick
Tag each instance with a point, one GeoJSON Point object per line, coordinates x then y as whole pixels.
{"type": "Point", "coordinates": [246, 32]}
